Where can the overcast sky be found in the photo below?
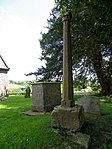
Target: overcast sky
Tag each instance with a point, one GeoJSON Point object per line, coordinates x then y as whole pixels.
{"type": "Point", "coordinates": [21, 22]}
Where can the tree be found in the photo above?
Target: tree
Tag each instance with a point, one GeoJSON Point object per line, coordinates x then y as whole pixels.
{"type": "Point", "coordinates": [32, 73]}
{"type": "Point", "coordinates": [91, 41]}
{"type": "Point", "coordinates": [52, 49]}
{"type": "Point", "coordinates": [92, 24]}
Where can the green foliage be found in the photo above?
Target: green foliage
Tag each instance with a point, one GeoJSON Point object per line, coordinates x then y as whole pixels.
{"type": "Point", "coordinates": [16, 91]}
{"type": "Point", "coordinates": [18, 87]}
{"type": "Point", "coordinates": [107, 98]}
{"type": "Point", "coordinates": [51, 45]}
{"type": "Point", "coordinates": [80, 82]}
{"type": "Point", "coordinates": [91, 41]}
{"type": "Point", "coordinates": [95, 86]}
{"type": "Point", "coordinates": [22, 83]}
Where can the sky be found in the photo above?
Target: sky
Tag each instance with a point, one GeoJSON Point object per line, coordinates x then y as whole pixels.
{"type": "Point", "coordinates": [21, 22]}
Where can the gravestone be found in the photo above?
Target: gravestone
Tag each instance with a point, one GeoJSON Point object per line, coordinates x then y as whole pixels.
{"type": "Point", "coordinates": [27, 92]}
{"type": "Point", "coordinates": [91, 104]}
{"type": "Point", "coordinates": [67, 115]}
{"type": "Point", "coordinates": [45, 96]}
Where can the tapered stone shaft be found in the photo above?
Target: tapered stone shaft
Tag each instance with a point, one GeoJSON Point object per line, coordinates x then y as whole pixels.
{"type": "Point", "coordinates": [67, 62]}
{"type": "Point", "coordinates": [67, 116]}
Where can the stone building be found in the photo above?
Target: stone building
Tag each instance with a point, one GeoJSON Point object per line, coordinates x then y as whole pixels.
{"type": "Point", "coordinates": [3, 78]}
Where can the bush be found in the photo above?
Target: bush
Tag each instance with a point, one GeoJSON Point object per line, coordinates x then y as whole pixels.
{"type": "Point", "coordinates": [16, 91]}
{"type": "Point", "coordinates": [107, 98]}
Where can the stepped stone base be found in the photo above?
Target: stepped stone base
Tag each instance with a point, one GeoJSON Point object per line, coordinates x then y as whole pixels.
{"type": "Point", "coordinates": [68, 118]}
{"type": "Point", "coordinates": [82, 140]}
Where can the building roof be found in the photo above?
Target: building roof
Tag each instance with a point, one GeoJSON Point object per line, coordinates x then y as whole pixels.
{"type": "Point", "coordinates": [3, 64]}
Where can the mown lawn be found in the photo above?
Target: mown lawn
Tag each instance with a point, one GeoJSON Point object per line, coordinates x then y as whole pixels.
{"type": "Point", "coordinates": [19, 131]}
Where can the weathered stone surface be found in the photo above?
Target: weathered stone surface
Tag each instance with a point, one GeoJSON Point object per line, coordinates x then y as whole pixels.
{"type": "Point", "coordinates": [45, 96]}
{"type": "Point", "coordinates": [67, 62]}
{"type": "Point", "coordinates": [83, 140]}
{"type": "Point", "coordinates": [32, 113]}
{"type": "Point", "coordinates": [91, 104]}
{"type": "Point", "coordinates": [68, 118]}
{"type": "Point", "coordinates": [4, 85]}
{"type": "Point", "coordinates": [4, 82]}
{"type": "Point", "coordinates": [27, 92]}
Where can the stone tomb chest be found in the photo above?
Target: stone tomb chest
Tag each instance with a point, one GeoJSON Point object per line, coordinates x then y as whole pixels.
{"type": "Point", "coordinates": [45, 96]}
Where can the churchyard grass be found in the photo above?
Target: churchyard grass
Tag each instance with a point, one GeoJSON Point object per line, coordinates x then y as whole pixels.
{"type": "Point", "coordinates": [20, 131]}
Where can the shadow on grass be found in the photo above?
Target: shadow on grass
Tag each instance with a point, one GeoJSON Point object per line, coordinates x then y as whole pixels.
{"type": "Point", "coordinates": [34, 132]}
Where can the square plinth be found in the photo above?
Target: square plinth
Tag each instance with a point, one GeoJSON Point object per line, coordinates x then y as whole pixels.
{"type": "Point", "coordinates": [68, 118]}
{"type": "Point", "coordinates": [45, 96]}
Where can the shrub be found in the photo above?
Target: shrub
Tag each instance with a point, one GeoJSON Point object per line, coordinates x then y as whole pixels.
{"type": "Point", "coordinates": [107, 98]}
{"type": "Point", "coordinates": [16, 91]}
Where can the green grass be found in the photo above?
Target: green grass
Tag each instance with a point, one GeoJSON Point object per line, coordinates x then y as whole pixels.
{"type": "Point", "coordinates": [19, 131]}
{"type": "Point", "coordinates": [99, 127]}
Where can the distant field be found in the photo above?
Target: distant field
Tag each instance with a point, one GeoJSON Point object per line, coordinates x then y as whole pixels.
{"type": "Point", "coordinates": [12, 86]}
{"type": "Point", "coordinates": [16, 89]}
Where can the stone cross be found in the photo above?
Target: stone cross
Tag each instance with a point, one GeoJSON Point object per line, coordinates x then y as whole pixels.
{"type": "Point", "coordinates": [67, 116]}
{"type": "Point", "coordinates": [67, 63]}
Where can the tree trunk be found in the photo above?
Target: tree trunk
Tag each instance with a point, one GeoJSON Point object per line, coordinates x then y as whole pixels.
{"type": "Point", "coordinates": [102, 74]}
{"type": "Point", "coordinates": [106, 87]}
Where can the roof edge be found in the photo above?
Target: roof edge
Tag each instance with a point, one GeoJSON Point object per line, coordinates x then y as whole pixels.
{"type": "Point", "coordinates": [4, 63]}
